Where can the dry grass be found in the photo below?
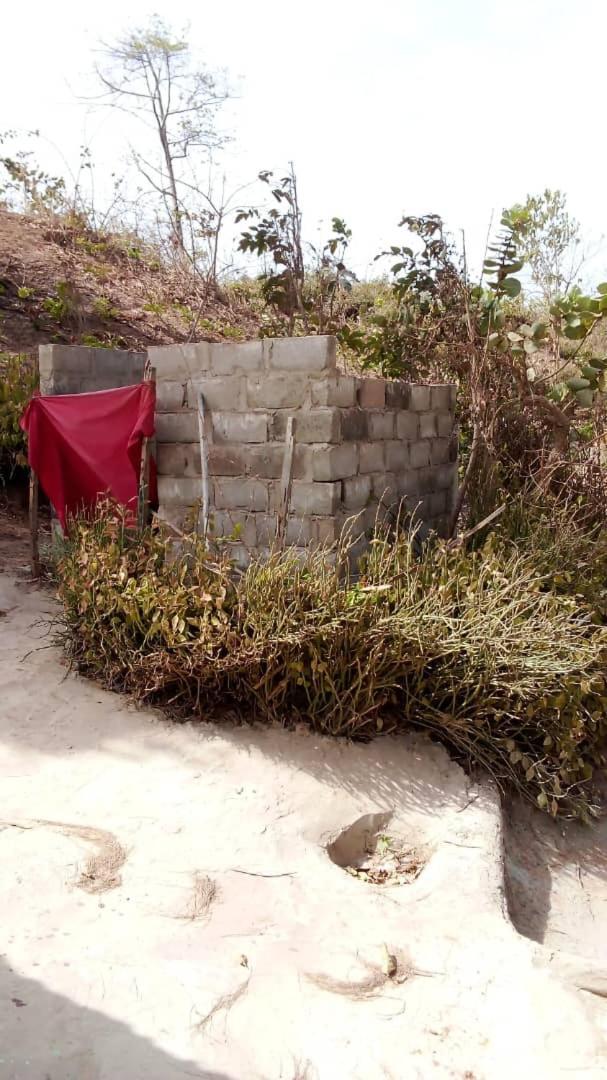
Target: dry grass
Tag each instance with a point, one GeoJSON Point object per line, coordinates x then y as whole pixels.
{"type": "Point", "coordinates": [101, 870]}
{"type": "Point", "coordinates": [204, 893]}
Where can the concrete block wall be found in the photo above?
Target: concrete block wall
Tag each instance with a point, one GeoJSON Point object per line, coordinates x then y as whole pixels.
{"type": "Point", "coordinates": [361, 445]}
{"type": "Point", "coordinates": [77, 369]}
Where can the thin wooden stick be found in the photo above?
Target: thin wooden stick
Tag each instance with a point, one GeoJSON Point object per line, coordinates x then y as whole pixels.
{"type": "Point", "coordinates": [204, 466]}
{"type": "Point", "coordinates": [286, 482]}
{"type": "Point", "coordinates": [143, 501]}
{"type": "Point", "coordinates": [35, 553]}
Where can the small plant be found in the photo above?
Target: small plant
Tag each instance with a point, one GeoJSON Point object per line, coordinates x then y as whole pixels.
{"type": "Point", "coordinates": [24, 292]}
{"type": "Point", "coordinates": [104, 309]}
{"type": "Point", "coordinates": [63, 307]}
{"type": "Point", "coordinates": [18, 380]}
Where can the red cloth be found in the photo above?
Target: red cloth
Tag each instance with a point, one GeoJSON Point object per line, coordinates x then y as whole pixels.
{"type": "Point", "coordinates": [85, 445]}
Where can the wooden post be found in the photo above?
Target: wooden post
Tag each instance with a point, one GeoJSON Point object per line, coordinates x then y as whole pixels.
{"type": "Point", "coordinates": [286, 482]}
{"type": "Point", "coordinates": [143, 501]}
{"type": "Point", "coordinates": [35, 553]}
{"type": "Point", "coordinates": [204, 466]}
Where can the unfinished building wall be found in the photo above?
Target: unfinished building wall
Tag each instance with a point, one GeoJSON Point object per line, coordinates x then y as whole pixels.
{"type": "Point", "coordinates": [361, 444]}
{"type": "Point", "coordinates": [77, 369]}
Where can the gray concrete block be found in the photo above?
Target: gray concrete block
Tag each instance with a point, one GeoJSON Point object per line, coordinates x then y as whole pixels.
{"type": "Point", "coordinates": [384, 487]}
{"type": "Point", "coordinates": [312, 353]}
{"type": "Point", "coordinates": [397, 455]}
{"type": "Point", "coordinates": [178, 459]}
{"type": "Point", "coordinates": [180, 362]}
{"type": "Point", "coordinates": [445, 476]}
{"type": "Point", "coordinates": [427, 425]}
{"type": "Point", "coordinates": [276, 391]}
{"type": "Point", "coordinates": [419, 399]}
{"type": "Point", "coordinates": [240, 492]}
{"type": "Point", "coordinates": [178, 426]}
{"type": "Point", "coordinates": [437, 503]}
{"type": "Point", "coordinates": [65, 384]}
{"type": "Point", "coordinates": [121, 362]}
{"type": "Point", "coordinates": [180, 491]}
{"type": "Point", "coordinates": [265, 461]}
{"type": "Point", "coordinates": [372, 393]}
{"type": "Point", "coordinates": [226, 358]}
{"type": "Point", "coordinates": [300, 531]}
{"type": "Point", "coordinates": [398, 393]}
{"type": "Point", "coordinates": [445, 423]}
{"type": "Point", "coordinates": [312, 426]}
{"type": "Point", "coordinates": [440, 451]}
{"type": "Point", "coordinates": [334, 462]}
{"type": "Point", "coordinates": [371, 457]}
{"type": "Point", "coordinates": [419, 454]}
{"type": "Point", "coordinates": [380, 425]}
{"type": "Point", "coordinates": [66, 359]}
{"type": "Point", "coordinates": [228, 460]}
{"type": "Point", "coordinates": [221, 393]}
{"type": "Point", "coordinates": [326, 529]}
{"type": "Point", "coordinates": [339, 391]}
{"type": "Point", "coordinates": [303, 461]}
{"type": "Point", "coordinates": [315, 498]}
{"type": "Point", "coordinates": [356, 492]}
{"type": "Point", "coordinates": [407, 426]}
{"type": "Point", "coordinates": [240, 527]}
{"type": "Point", "coordinates": [442, 397]}
{"type": "Point", "coordinates": [244, 427]}
{"type": "Point", "coordinates": [170, 395]}
{"type": "Point", "coordinates": [354, 424]}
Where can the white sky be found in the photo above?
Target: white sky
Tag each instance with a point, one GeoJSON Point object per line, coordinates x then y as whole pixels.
{"type": "Point", "coordinates": [459, 107]}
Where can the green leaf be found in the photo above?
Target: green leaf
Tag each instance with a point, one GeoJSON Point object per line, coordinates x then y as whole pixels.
{"type": "Point", "coordinates": [585, 398]}
{"type": "Point", "coordinates": [576, 383]}
{"type": "Point", "coordinates": [602, 288]}
{"type": "Point", "coordinates": [542, 800]}
{"type": "Point", "coordinates": [511, 286]}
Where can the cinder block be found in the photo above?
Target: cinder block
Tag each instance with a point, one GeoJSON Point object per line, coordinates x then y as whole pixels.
{"type": "Point", "coordinates": [372, 393]}
{"type": "Point", "coordinates": [66, 359]}
{"type": "Point", "coordinates": [407, 425]}
{"type": "Point", "coordinates": [437, 503]}
{"type": "Point", "coordinates": [180, 491]}
{"type": "Point", "coordinates": [226, 358]}
{"type": "Point", "coordinates": [179, 362]}
{"type": "Point", "coordinates": [243, 427]}
{"type": "Point", "coordinates": [356, 492]}
{"type": "Point", "coordinates": [312, 353]}
{"type": "Point", "coordinates": [398, 394]}
{"type": "Point", "coordinates": [315, 498]}
{"type": "Point", "coordinates": [46, 365]}
{"type": "Point", "coordinates": [340, 391]}
{"type": "Point", "coordinates": [223, 392]}
{"type": "Point", "coordinates": [303, 461]}
{"type": "Point", "coordinates": [385, 487]}
{"type": "Point", "coordinates": [326, 529]}
{"type": "Point", "coordinates": [427, 425]}
{"type": "Point", "coordinates": [265, 461]}
{"type": "Point", "coordinates": [170, 395]}
{"type": "Point", "coordinates": [354, 424]}
{"type": "Point", "coordinates": [238, 526]}
{"type": "Point", "coordinates": [227, 460]}
{"type": "Point", "coordinates": [129, 365]}
{"type": "Point", "coordinates": [409, 486]}
{"type": "Point", "coordinates": [234, 493]}
{"type": "Point", "coordinates": [419, 454]}
{"type": "Point", "coordinates": [178, 426]}
{"type": "Point", "coordinates": [397, 455]}
{"type": "Point", "coordinates": [276, 391]}
{"type": "Point", "coordinates": [334, 462]}
{"type": "Point", "coordinates": [380, 425]}
{"type": "Point", "coordinates": [419, 398]}
{"type": "Point", "coordinates": [312, 426]}
{"type": "Point", "coordinates": [371, 457]}
{"type": "Point", "coordinates": [300, 531]}
{"type": "Point", "coordinates": [442, 397]}
{"type": "Point", "coordinates": [178, 459]}
{"type": "Point", "coordinates": [440, 451]}
{"type": "Point", "coordinates": [265, 529]}
{"type": "Point", "coordinates": [445, 423]}
{"type": "Point", "coordinates": [65, 384]}
{"type": "Point", "coordinates": [445, 476]}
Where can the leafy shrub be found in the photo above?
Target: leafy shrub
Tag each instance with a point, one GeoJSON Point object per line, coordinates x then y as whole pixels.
{"type": "Point", "coordinates": [469, 645]}
{"type": "Point", "coordinates": [18, 380]}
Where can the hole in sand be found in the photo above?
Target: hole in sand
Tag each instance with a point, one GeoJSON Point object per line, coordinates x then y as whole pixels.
{"type": "Point", "coordinates": [371, 851]}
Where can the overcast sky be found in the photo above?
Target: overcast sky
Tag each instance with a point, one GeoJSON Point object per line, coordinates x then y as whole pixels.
{"type": "Point", "coordinates": [458, 107]}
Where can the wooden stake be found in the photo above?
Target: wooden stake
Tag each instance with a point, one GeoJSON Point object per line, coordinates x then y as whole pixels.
{"type": "Point", "coordinates": [286, 482]}
{"type": "Point", "coordinates": [143, 501]}
{"type": "Point", "coordinates": [204, 466]}
{"type": "Point", "coordinates": [35, 554]}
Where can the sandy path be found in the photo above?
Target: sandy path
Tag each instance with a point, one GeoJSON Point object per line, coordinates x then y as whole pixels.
{"type": "Point", "coordinates": [282, 971]}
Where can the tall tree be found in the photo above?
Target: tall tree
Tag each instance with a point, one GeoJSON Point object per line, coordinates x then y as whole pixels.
{"type": "Point", "coordinates": [152, 74]}
{"type": "Point", "coordinates": [550, 242]}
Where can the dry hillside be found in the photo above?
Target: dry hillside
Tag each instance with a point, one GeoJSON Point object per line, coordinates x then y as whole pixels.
{"type": "Point", "coordinates": [62, 282]}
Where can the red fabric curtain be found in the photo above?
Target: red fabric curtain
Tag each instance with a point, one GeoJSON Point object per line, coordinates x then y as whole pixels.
{"type": "Point", "coordinates": [85, 445]}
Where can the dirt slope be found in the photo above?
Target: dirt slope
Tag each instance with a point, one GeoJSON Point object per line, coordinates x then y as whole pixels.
{"type": "Point", "coordinates": [60, 282]}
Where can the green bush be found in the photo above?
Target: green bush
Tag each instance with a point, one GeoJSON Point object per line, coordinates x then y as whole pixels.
{"type": "Point", "coordinates": [18, 380]}
{"type": "Point", "coordinates": [471, 646]}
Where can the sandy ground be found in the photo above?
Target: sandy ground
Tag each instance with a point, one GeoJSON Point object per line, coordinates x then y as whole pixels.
{"type": "Point", "coordinates": [169, 909]}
